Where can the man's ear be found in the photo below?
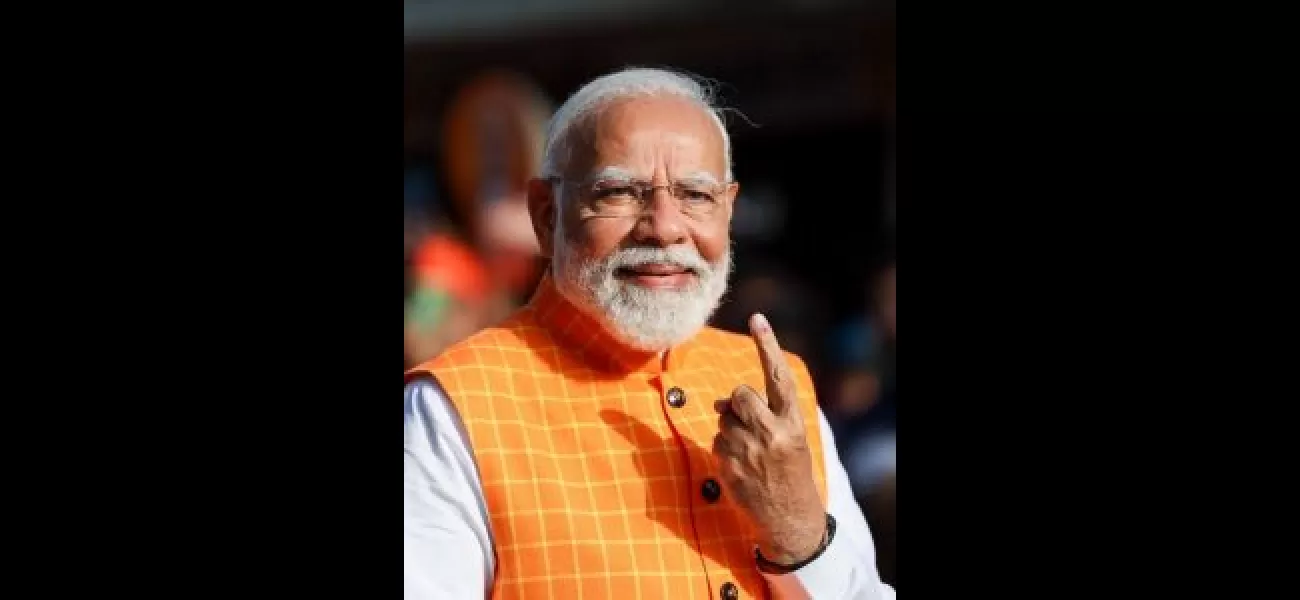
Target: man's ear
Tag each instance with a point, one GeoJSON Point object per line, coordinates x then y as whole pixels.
{"type": "Point", "coordinates": [733, 192]}
{"type": "Point", "coordinates": [542, 209]}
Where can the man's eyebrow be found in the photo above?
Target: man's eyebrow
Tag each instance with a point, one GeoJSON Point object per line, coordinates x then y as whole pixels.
{"type": "Point", "coordinates": [700, 177]}
{"type": "Point", "coordinates": [612, 172]}
{"type": "Point", "coordinates": [618, 173]}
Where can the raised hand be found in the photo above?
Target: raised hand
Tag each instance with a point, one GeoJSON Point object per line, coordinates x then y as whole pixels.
{"type": "Point", "coordinates": [764, 460]}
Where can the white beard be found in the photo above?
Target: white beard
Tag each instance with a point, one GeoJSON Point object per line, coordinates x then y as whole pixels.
{"type": "Point", "coordinates": [643, 318]}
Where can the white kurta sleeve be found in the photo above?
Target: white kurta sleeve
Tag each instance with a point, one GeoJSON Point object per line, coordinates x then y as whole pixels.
{"type": "Point", "coordinates": [446, 540]}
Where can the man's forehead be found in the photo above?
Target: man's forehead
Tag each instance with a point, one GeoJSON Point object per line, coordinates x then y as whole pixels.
{"type": "Point", "coordinates": [658, 111]}
{"type": "Point", "coordinates": [643, 133]}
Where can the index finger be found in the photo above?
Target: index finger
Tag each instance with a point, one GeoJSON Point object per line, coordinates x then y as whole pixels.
{"type": "Point", "coordinates": [776, 371]}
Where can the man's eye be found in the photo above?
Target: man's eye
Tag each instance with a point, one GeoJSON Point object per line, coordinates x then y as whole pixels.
{"type": "Point", "coordinates": [698, 195]}
{"type": "Point", "coordinates": [616, 192]}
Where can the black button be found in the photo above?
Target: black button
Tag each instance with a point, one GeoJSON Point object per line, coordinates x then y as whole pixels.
{"type": "Point", "coordinates": [711, 490]}
{"type": "Point", "coordinates": [729, 591]}
{"type": "Point", "coordinates": [676, 397]}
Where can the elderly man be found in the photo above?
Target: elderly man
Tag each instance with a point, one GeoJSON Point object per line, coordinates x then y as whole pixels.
{"type": "Point", "coordinates": [603, 442]}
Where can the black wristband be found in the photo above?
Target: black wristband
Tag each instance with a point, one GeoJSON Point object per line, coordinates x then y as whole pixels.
{"type": "Point", "coordinates": [772, 568]}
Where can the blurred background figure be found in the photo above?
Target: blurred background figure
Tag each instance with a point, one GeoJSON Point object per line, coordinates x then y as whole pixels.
{"type": "Point", "coordinates": [812, 84]}
{"type": "Point", "coordinates": [492, 145]}
{"type": "Point", "coordinates": [472, 259]}
{"type": "Point", "coordinates": [864, 350]}
{"type": "Point", "coordinates": [863, 409]}
{"type": "Point", "coordinates": [450, 296]}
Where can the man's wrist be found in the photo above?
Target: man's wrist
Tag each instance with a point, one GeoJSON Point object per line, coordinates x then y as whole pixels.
{"type": "Point", "coordinates": [775, 559]}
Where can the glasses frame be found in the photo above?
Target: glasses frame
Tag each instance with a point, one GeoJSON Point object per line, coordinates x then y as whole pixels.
{"type": "Point", "coordinates": [646, 191]}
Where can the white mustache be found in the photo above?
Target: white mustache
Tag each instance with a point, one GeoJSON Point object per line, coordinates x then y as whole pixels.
{"type": "Point", "coordinates": [676, 256]}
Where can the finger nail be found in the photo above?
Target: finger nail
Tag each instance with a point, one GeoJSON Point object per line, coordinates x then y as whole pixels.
{"type": "Point", "coordinates": [760, 324]}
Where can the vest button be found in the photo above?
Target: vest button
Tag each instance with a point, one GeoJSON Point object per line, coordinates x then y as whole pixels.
{"type": "Point", "coordinates": [676, 397]}
{"type": "Point", "coordinates": [729, 591]}
{"type": "Point", "coordinates": [711, 490]}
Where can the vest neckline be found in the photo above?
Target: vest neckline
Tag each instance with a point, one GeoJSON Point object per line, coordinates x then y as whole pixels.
{"type": "Point", "coordinates": [586, 339]}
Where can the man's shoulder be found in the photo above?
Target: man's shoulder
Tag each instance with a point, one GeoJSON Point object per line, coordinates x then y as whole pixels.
{"type": "Point", "coordinates": [479, 348]}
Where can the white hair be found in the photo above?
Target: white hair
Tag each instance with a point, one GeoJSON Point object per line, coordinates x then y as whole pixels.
{"type": "Point", "coordinates": [628, 83]}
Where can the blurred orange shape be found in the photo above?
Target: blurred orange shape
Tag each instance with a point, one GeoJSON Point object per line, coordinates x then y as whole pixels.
{"type": "Point", "coordinates": [444, 262]}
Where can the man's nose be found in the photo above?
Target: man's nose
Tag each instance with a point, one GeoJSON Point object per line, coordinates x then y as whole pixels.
{"type": "Point", "coordinates": [662, 223]}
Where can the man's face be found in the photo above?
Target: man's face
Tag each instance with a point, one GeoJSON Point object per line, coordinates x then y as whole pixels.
{"type": "Point", "coordinates": [653, 277]}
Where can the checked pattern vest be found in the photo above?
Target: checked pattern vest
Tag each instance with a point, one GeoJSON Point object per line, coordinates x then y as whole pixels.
{"type": "Point", "coordinates": [596, 460]}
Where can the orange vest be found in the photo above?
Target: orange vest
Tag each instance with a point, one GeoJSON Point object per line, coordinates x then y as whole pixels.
{"type": "Point", "coordinates": [596, 460]}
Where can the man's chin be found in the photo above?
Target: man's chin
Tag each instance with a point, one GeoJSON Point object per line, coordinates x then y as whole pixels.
{"type": "Point", "coordinates": [648, 340]}
{"type": "Point", "coordinates": [654, 319]}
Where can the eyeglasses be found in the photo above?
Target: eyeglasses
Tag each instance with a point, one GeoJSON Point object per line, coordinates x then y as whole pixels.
{"type": "Point", "coordinates": [632, 198]}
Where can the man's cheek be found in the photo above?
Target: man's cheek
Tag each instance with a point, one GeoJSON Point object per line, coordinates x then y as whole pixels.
{"type": "Point", "coordinates": [598, 240]}
{"type": "Point", "coordinates": [712, 249]}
